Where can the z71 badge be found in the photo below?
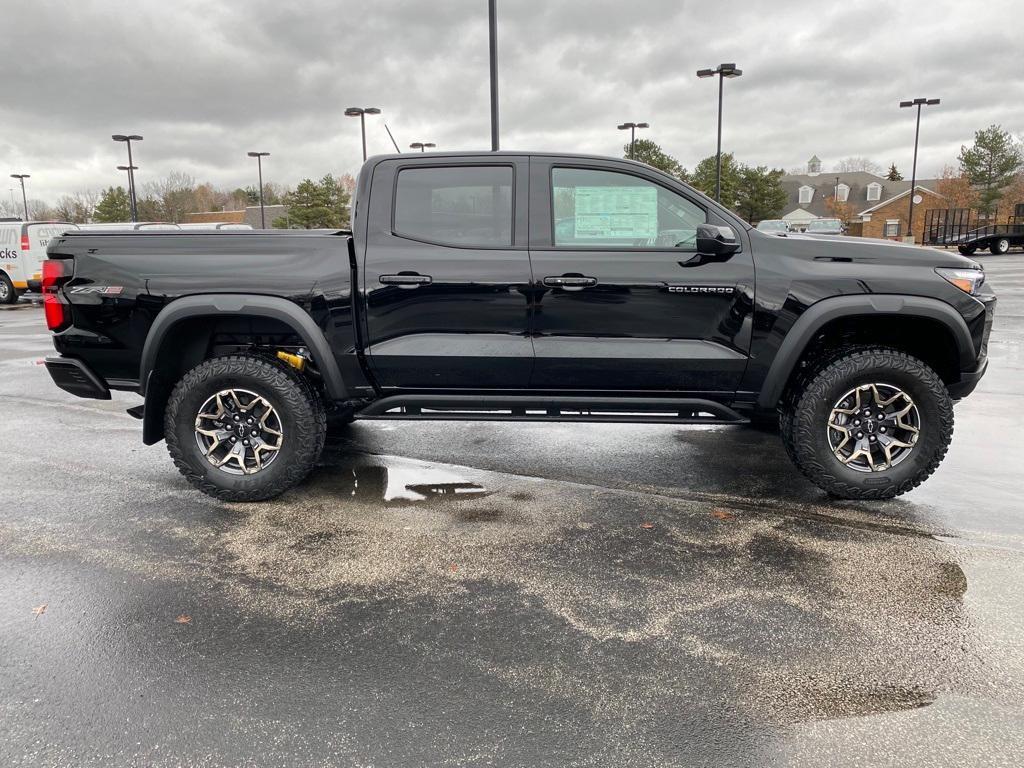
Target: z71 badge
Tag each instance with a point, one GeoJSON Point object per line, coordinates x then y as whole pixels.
{"type": "Point", "coordinates": [718, 290]}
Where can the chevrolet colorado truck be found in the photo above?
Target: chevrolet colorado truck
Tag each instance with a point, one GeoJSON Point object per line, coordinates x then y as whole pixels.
{"type": "Point", "coordinates": [521, 286]}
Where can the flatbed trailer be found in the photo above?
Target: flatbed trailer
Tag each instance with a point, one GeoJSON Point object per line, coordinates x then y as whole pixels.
{"type": "Point", "coordinates": [998, 238]}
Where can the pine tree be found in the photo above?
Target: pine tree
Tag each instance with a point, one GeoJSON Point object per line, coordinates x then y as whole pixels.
{"type": "Point", "coordinates": [114, 206]}
{"type": "Point", "coordinates": [894, 175]}
{"type": "Point", "coordinates": [991, 163]}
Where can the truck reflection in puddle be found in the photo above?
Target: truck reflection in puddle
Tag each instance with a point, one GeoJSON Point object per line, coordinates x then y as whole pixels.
{"type": "Point", "coordinates": [394, 481]}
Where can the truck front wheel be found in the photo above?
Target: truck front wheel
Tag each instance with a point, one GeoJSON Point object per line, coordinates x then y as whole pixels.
{"type": "Point", "coordinates": [871, 424]}
{"type": "Point", "coordinates": [244, 428]}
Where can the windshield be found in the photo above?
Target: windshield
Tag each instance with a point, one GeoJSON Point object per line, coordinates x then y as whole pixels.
{"type": "Point", "coordinates": [772, 226]}
{"type": "Point", "coordinates": [822, 224]}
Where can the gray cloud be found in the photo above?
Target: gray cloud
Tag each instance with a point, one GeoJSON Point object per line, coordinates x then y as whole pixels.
{"type": "Point", "coordinates": [205, 82]}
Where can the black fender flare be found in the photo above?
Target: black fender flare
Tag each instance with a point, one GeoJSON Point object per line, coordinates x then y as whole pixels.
{"type": "Point", "coordinates": [827, 310]}
{"type": "Point", "coordinates": [221, 304]}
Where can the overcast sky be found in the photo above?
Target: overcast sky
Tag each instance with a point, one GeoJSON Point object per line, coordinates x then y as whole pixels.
{"type": "Point", "coordinates": [206, 81]}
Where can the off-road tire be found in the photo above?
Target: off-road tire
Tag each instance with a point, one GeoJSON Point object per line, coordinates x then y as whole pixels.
{"type": "Point", "coordinates": [298, 405]}
{"type": "Point", "coordinates": [999, 247]}
{"type": "Point", "coordinates": [8, 293]}
{"type": "Point", "coordinates": [805, 416]}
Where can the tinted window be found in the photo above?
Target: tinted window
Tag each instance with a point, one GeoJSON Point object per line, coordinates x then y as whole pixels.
{"type": "Point", "coordinates": [470, 206]}
{"type": "Point", "coordinates": [608, 209]}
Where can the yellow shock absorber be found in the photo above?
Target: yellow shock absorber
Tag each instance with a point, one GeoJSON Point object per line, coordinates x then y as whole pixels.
{"type": "Point", "coordinates": [295, 361]}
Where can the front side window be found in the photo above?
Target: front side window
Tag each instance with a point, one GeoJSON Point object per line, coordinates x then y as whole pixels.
{"type": "Point", "coordinates": [469, 206]}
{"type": "Point", "coordinates": [605, 209]}
{"type": "Point", "coordinates": [806, 193]}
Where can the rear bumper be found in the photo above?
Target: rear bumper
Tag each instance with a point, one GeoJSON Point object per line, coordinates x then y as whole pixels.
{"type": "Point", "coordinates": [76, 377]}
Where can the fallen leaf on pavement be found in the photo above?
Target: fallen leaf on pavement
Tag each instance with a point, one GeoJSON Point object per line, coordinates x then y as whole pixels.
{"type": "Point", "coordinates": [453, 567]}
{"type": "Point", "coordinates": [184, 619]}
{"type": "Point", "coordinates": [39, 610]}
{"type": "Point", "coordinates": [722, 514]}
{"type": "Point", "coordinates": [647, 526]}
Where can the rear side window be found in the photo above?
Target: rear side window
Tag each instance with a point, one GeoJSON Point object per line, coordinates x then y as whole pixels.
{"type": "Point", "coordinates": [466, 206]}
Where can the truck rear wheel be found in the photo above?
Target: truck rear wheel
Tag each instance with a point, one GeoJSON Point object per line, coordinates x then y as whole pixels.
{"type": "Point", "coordinates": [1000, 246]}
{"type": "Point", "coordinates": [871, 424]}
{"type": "Point", "coordinates": [8, 293]}
{"type": "Point", "coordinates": [244, 428]}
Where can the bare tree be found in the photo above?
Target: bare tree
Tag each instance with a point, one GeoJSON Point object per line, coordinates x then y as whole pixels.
{"type": "Point", "coordinates": [853, 164]}
{"type": "Point", "coordinates": [78, 207]}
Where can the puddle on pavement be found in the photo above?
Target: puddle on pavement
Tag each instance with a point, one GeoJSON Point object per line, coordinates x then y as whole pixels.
{"type": "Point", "coordinates": [392, 481]}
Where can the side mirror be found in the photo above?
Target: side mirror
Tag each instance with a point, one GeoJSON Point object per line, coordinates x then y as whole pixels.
{"type": "Point", "coordinates": [713, 240]}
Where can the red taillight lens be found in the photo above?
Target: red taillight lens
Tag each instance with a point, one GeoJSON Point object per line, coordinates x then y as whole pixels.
{"type": "Point", "coordinates": [25, 244]}
{"type": "Point", "coordinates": [55, 272]}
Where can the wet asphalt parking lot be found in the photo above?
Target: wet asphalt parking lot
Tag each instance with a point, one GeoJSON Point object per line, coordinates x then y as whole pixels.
{"type": "Point", "coordinates": [459, 594]}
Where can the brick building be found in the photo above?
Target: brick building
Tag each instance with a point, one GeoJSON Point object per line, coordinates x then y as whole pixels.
{"type": "Point", "coordinates": [250, 215]}
{"type": "Point", "coordinates": [877, 207]}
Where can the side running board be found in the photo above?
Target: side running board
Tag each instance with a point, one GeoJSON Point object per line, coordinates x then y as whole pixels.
{"type": "Point", "coordinates": [659, 410]}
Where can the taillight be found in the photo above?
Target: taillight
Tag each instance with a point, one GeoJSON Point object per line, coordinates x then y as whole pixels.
{"type": "Point", "coordinates": [25, 244]}
{"type": "Point", "coordinates": [55, 272]}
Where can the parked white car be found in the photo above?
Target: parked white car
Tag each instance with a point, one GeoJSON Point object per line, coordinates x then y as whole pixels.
{"type": "Point", "coordinates": [22, 250]}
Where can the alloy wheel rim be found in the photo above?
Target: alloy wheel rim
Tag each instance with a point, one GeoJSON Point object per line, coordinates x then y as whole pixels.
{"type": "Point", "coordinates": [4, 290]}
{"type": "Point", "coordinates": [239, 431]}
{"type": "Point", "coordinates": [873, 427]}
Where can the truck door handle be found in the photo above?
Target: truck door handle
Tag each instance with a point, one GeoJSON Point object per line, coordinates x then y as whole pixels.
{"type": "Point", "coordinates": [406, 279]}
{"type": "Point", "coordinates": [570, 281]}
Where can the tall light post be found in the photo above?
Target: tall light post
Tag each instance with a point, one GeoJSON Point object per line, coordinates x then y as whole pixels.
{"type": "Point", "coordinates": [723, 71]}
{"type": "Point", "coordinates": [24, 200]}
{"type": "Point", "coordinates": [492, 39]}
{"type": "Point", "coordinates": [632, 135]}
{"type": "Point", "coordinates": [422, 145]}
{"type": "Point", "coordinates": [361, 113]}
{"type": "Point", "coordinates": [913, 171]}
{"type": "Point", "coordinates": [259, 167]}
{"type": "Point", "coordinates": [131, 173]}
{"type": "Point", "coordinates": [129, 169]}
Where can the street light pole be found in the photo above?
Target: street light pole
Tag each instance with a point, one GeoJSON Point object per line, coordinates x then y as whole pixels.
{"type": "Point", "coordinates": [492, 28]}
{"type": "Point", "coordinates": [913, 170]}
{"type": "Point", "coordinates": [24, 200]}
{"type": "Point", "coordinates": [131, 173]}
{"type": "Point", "coordinates": [723, 71]}
{"type": "Point", "coordinates": [259, 166]}
{"type": "Point", "coordinates": [361, 113]}
{"type": "Point", "coordinates": [422, 145]}
{"type": "Point", "coordinates": [129, 169]}
{"type": "Point", "coordinates": [632, 135]}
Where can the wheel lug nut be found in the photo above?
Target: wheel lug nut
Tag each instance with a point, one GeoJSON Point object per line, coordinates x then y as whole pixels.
{"type": "Point", "coordinates": [245, 442]}
{"type": "Point", "coordinates": [856, 422]}
{"type": "Point", "coordinates": [881, 429]}
{"type": "Point", "coordinates": [234, 439]}
{"type": "Point", "coordinates": [860, 435]}
{"type": "Point", "coordinates": [871, 439]}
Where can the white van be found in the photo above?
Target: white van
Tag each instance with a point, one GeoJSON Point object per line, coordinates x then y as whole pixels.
{"type": "Point", "coordinates": [123, 226]}
{"type": "Point", "coordinates": [22, 251]}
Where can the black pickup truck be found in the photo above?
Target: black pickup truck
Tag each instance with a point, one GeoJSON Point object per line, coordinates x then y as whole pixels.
{"type": "Point", "coordinates": [521, 286]}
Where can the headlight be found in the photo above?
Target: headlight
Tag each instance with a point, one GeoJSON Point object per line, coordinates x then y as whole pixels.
{"type": "Point", "coordinates": [967, 280]}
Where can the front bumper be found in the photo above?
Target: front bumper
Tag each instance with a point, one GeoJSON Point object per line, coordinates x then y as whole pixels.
{"type": "Point", "coordinates": [968, 380]}
{"type": "Point", "coordinates": [76, 377]}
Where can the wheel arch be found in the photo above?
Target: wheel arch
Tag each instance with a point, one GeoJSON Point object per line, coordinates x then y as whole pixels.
{"type": "Point", "coordinates": [949, 352]}
{"type": "Point", "coordinates": [182, 330]}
